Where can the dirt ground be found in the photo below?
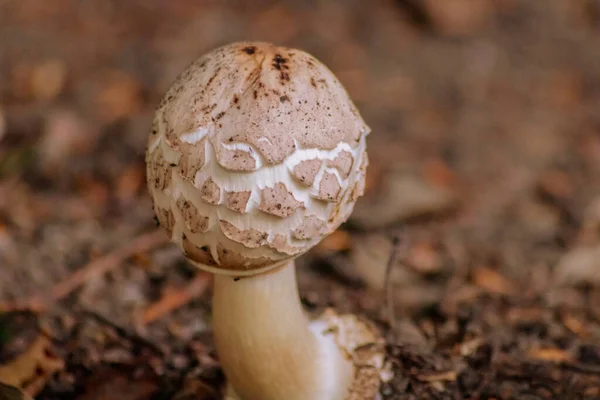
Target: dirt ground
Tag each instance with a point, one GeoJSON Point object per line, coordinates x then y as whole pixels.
{"type": "Point", "coordinates": [485, 167]}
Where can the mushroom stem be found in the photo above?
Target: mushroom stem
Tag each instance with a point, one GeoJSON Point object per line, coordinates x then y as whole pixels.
{"type": "Point", "coordinates": [267, 346]}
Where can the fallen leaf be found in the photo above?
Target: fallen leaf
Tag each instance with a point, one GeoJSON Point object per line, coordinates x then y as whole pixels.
{"type": "Point", "coordinates": [403, 196]}
{"type": "Point", "coordinates": [339, 240]}
{"type": "Point", "coordinates": [470, 346]}
{"type": "Point", "coordinates": [437, 171]}
{"type": "Point", "coordinates": [492, 281]}
{"type": "Point", "coordinates": [410, 333]}
{"type": "Point", "coordinates": [48, 79]}
{"type": "Point", "coordinates": [370, 254]}
{"type": "Point", "coordinates": [549, 354]}
{"type": "Point", "coordinates": [459, 17]}
{"type": "Point", "coordinates": [574, 324]}
{"type": "Point", "coordinates": [580, 265]}
{"type": "Point", "coordinates": [31, 370]}
{"type": "Point", "coordinates": [423, 258]}
{"type": "Point", "coordinates": [120, 96]}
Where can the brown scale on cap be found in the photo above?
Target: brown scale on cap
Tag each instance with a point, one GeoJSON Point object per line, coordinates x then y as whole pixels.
{"type": "Point", "coordinates": [343, 163]}
{"type": "Point", "coordinates": [194, 221]}
{"type": "Point", "coordinates": [279, 201]}
{"type": "Point", "coordinates": [364, 162]}
{"type": "Point", "coordinates": [250, 238]}
{"type": "Point", "coordinates": [192, 160]}
{"type": "Point", "coordinates": [359, 187]}
{"type": "Point", "coordinates": [236, 160]}
{"type": "Point", "coordinates": [307, 170]}
{"type": "Point", "coordinates": [166, 219]}
{"type": "Point", "coordinates": [159, 175]}
{"type": "Point", "coordinates": [210, 192]}
{"type": "Point", "coordinates": [311, 227]}
{"type": "Point", "coordinates": [280, 243]}
{"type": "Point", "coordinates": [237, 201]}
{"type": "Point", "coordinates": [329, 188]}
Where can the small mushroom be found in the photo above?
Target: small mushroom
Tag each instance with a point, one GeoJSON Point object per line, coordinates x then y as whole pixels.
{"type": "Point", "coordinates": [255, 114]}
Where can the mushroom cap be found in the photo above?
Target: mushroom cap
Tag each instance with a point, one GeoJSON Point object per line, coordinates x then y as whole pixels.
{"type": "Point", "coordinates": [256, 153]}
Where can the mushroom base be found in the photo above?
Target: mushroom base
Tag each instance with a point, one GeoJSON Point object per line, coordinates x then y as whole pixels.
{"type": "Point", "coordinates": [270, 350]}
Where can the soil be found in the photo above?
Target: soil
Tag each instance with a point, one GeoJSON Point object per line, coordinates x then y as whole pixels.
{"type": "Point", "coordinates": [484, 178]}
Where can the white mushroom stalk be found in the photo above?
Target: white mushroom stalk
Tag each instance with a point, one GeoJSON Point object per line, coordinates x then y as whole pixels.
{"type": "Point", "coordinates": [268, 347]}
{"type": "Point", "coordinates": [255, 155]}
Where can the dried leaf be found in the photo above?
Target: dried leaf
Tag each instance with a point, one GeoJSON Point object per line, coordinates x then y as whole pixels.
{"type": "Point", "coordinates": [459, 17]}
{"type": "Point", "coordinates": [338, 241]}
{"type": "Point", "coordinates": [48, 79]}
{"type": "Point", "coordinates": [403, 196]}
{"type": "Point", "coordinates": [579, 265]}
{"type": "Point", "coordinates": [549, 354]}
{"type": "Point", "coordinates": [574, 324]}
{"type": "Point", "coordinates": [120, 96]}
{"type": "Point", "coordinates": [370, 253]}
{"type": "Point", "coordinates": [470, 346]}
{"type": "Point", "coordinates": [491, 281]}
{"type": "Point", "coordinates": [424, 258]}
{"type": "Point", "coordinates": [32, 369]}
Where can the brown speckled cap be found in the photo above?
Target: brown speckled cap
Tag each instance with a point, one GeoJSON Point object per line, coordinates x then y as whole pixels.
{"type": "Point", "coordinates": [256, 153]}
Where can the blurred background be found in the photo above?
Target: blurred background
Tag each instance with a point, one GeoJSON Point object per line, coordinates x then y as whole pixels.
{"type": "Point", "coordinates": [485, 161]}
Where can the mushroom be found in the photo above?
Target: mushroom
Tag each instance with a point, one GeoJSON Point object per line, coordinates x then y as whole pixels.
{"type": "Point", "coordinates": [256, 153]}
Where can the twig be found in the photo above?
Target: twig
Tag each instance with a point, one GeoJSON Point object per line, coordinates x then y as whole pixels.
{"type": "Point", "coordinates": [94, 268]}
{"type": "Point", "coordinates": [399, 245]}
{"type": "Point", "coordinates": [175, 298]}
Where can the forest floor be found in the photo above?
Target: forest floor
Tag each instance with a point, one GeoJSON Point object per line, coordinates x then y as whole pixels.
{"type": "Point", "coordinates": [485, 166]}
